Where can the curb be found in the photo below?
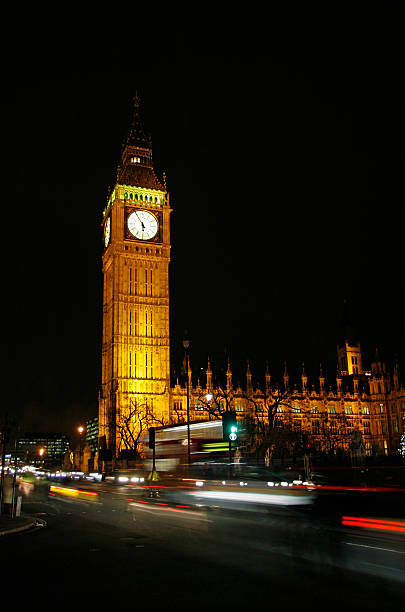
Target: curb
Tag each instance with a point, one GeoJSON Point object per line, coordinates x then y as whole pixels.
{"type": "Point", "coordinates": [33, 522]}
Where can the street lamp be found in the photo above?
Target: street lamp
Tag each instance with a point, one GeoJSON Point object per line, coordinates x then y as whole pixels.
{"type": "Point", "coordinates": [80, 429]}
{"type": "Point", "coordinates": [209, 398]}
{"type": "Point", "coordinates": [41, 453]}
{"type": "Point", "coordinates": [186, 345]}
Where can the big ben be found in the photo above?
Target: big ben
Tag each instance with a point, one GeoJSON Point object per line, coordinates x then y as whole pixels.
{"type": "Point", "coordinates": [135, 267]}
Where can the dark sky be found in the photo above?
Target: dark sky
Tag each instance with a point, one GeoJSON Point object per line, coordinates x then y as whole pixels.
{"type": "Point", "coordinates": [284, 162]}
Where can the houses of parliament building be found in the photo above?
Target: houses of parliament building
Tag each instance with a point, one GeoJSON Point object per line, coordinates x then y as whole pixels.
{"type": "Point", "coordinates": [136, 342]}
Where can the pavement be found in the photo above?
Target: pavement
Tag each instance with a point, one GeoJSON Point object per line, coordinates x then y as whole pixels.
{"type": "Point", "coordinates": [10, 525]}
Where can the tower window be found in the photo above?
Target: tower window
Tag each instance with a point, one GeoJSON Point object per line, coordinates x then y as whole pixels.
{"type": "Point", "coordinates": [148, 324]}
{"type": "Point", "coordinates": [135, 160]}
{"type": "Point", "coordinates": [148, 365]}
{"type": "Point", "coordinates": [133, 281]}
{"type": "Point", "coordinates": [148, 282]}
{"type": "Point", "coordinates": [133, 323]}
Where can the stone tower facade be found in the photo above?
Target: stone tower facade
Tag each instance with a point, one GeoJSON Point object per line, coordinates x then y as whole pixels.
{"type": "Point", "coordinates": [135, 267]}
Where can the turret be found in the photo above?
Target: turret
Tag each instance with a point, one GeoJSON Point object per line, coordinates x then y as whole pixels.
{"type": "Point", "coordinates": [304, 379]}
{"type": "Point", "coordinates": [229, 377]}
{"type": "Point", "coordinates": [286, 377]}
{"type": "Point", "coordinates": [209, 376]}
{"type": "Point", "coordinates": [339, 381]}
{"type": "Point", "coordinates": [267, 378]}
{"type": "Point", "coordinates": [249, 388]}
{"type": "Point", "coordinates": [321, 380]}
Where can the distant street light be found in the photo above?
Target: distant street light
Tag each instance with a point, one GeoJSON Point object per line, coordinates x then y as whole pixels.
{"type": "Point", "coordinates": [80, 429]}
{"type": "Point", "coordinates": [209, 398]}
{"type": "Point", "coordinates": [186, 345]}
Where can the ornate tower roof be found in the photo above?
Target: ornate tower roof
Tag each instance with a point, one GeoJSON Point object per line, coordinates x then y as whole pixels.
{"type": "Point", "coordinates": [136, 167]}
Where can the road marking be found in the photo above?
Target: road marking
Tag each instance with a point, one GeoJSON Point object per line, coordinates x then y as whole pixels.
{"type": "Point", "coordinates": [193, 515]}
{"type": "Point", "coordinates": [399, 552]}
{"type": "Point", "coordinates": [387, 567]}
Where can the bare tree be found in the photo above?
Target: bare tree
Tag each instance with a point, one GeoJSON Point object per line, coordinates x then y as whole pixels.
{"type": "Point", "coordinates": [333, 432]}
{"type": "Point", "coordinates": [217, 401]}
{"type": "Point", "coordinates": [132, 424]}
{"type": "Point", "coordinates": [266, 431]}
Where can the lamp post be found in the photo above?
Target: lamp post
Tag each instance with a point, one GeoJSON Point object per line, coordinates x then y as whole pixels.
{"type": "Point", "coordinates": [186, 345]}
{"type": "Point", "coordinates": [80, 429]}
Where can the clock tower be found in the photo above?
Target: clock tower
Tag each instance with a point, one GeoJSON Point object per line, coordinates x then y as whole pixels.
{"type": "Point", "coordinates": [136, 243]}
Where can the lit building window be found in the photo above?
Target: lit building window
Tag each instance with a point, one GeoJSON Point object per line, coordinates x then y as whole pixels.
{"type": "Point", "coordinates": [365, 410]}
{"type": "Point", "coordinates": [315, 427]}
{"type": "Point", "coordinates": [367, 428]}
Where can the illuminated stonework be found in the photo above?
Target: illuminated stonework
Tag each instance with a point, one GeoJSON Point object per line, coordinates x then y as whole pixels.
{"type": "Point", "coordinates": [135, 345]}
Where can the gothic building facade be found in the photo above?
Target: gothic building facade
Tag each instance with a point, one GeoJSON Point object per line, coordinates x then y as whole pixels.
{"type": "Point", "coordinates": [136, 343]}
{"type": "Point", "coordinates": [362, 409]}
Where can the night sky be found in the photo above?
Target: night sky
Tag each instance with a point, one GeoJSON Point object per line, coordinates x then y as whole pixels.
{"type": "Point", "coordinates": [284, 164]}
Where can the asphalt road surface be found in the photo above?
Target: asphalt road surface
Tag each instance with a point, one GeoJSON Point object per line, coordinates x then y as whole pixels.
{"type": "Point", "coordinates": [115, 546]}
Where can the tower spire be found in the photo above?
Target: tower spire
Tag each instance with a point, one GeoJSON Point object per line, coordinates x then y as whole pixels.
{"type": "Point", "coordinates": [136, 135]}
{"type": "Point", "coordinates": [136, 167]}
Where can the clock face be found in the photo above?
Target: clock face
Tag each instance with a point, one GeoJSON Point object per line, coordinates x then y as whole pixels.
{"type": "Point", "coordinates": [142, 224]}
{"type": "Point", "coordinates": [107, 232]}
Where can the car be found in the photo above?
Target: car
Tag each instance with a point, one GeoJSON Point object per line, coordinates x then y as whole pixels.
{"type": "Point", "coordinates": [126, 477]}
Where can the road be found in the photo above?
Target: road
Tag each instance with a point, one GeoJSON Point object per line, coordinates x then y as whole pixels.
{"type": "Point", "coordinates": [116, 541]}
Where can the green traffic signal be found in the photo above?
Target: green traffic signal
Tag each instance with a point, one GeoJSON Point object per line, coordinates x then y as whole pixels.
{"type": "Point", "coordinates": [229, 426]}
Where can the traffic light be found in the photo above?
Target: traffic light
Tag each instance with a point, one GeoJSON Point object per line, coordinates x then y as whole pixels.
{"type": "Point", "coordinates": [229, 426]}
{"type": "Point", "coordinates": [306, 444]}
{"type": "Point", "coordinates": [151, 437]}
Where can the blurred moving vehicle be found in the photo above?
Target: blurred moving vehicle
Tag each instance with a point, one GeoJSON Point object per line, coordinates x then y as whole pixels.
{"type": "Point", "coordinates": [122, 477]}
{"type": "Point", "coordinates": [229, 485]}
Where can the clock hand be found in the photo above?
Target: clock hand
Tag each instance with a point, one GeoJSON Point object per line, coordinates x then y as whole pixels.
{"type": "Point", "coordinates": [143, 227]}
